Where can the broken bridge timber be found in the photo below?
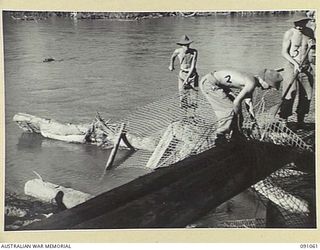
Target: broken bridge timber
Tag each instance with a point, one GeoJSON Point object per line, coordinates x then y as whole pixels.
{"type": "Point", "coordinates": [175, 196]}
{"type": "Point", "coordinates": [99, 132]}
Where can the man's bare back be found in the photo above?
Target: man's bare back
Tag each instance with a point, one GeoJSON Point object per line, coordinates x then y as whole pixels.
{"type": "Point", "coordinates": [216, 87]}
{"type": "Point", "coordinates": [239, 80]}
{"type": "Point", "coordinates": [185, 57]}
{"type": "Point", "coordinates": [234, 79]}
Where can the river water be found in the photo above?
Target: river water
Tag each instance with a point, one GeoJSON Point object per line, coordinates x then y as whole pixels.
{"type": "Point", "coordinates": [112, 67]}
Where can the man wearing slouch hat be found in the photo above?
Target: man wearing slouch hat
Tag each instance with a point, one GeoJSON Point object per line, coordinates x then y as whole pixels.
{"type": "Point", "coordinates": [297, 44]}
{"type": "Point", "coordinates": [218, 86]}
{"type": "Point", "coordinates": [188, 78]}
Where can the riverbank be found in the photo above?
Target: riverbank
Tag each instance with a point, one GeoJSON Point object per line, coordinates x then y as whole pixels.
{"type": "Point", "coordinates": [35, 15]}
{"type": "Point", "coordinates": [22, 210]}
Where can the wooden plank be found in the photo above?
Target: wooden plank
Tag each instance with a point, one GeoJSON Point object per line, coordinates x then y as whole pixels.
{"type": "Point", "coordinates": [126, 141]}
{"type": "Point", "coordinates": [115, 148]}
{"type": "Point", "coordinates": [161, 148]}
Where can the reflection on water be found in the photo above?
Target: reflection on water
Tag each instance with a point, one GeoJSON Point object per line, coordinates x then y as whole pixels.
{"type": "Point", "coordinates": [112, 67]}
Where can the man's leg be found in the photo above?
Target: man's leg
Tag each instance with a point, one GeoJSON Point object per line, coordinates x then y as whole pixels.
{"type": "Point", "coordinates": [181, 94]}
{"type": "Point", "coordinates": [193, 95]}
{"type": "Point", "coordinates": [288, 100]}
{"type": "Point", "coordinates": [182, 91]}
{"type": "Point", "coordinates": [305, 95]}
{"type": "Point", "coordinates": [286, 107]}
{"type": "Point", "coordinates": [225, 121]}
{"type": "Point", "coordinates": [220, 103]}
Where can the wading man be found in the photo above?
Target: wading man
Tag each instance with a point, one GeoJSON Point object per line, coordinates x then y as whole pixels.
{"type": "Point", "coordinates": [298, 75]}
{"type": "Point", "coordinates": [217, 87]}
{"type": "Point", "coordinates": [188, 79]}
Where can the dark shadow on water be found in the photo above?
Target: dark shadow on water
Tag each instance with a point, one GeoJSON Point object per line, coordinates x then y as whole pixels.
{"type": "Point", "coordinates": [126, 154]}
{"type": "Point", "coordinates": [30, 142]}
{"type": "Point", "coordinates": [117, 162]}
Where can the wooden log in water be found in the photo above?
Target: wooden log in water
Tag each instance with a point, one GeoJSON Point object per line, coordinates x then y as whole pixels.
{"type": "Point", "coordinates": [47, 192]}
{"type": "Point", "coordinates": [115, 148]}
{"type": "Point", "coordinates": [177, 195]}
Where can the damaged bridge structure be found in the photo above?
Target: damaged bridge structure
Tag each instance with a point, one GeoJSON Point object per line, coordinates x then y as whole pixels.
{"type": "Point", "coordinates": [192, 173]}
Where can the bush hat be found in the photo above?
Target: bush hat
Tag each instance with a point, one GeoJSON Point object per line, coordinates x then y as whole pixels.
{"type": "Point", "coordinates": [184, 40]}
{"type": "Point", "coordinates": [272, 77]}
{"type": "Point", "coordinates": [301, 22]}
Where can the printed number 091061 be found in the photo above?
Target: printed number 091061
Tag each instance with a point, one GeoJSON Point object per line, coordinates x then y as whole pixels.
{"type": "Point", "coordinates": [310, 245]}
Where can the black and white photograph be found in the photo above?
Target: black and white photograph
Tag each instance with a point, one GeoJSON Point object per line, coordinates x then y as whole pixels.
{"type": "Point", "coordinates": [159, 120]}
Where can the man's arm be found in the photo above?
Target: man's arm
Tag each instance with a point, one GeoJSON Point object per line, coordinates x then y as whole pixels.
{"type": "Point", "coordinates": [286, 43]}
{"type": "Point", "coordinates": [244, 93]}
{"type": "Point", "coordinates": [249, 106]}
{"type": "Point", "coordinates": [172, 59]}
{"type": "Point", "coordinates": [312, 52]}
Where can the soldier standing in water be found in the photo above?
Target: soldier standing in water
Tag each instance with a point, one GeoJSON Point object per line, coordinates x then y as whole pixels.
{"type": "Point", "coordinates": [298, 76]}
{"type": "Point", "coordinates": [188, 79]}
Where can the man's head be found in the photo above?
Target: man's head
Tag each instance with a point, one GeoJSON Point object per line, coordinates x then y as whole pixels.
{"type": "Point", "coordinates": [184, 41]}
{"type": "Point", "coordinates": [301, 23]}
{"type": "Point", "coordinates": [311, 14]}
{"type": "Point", "coordinates": [272, 77]}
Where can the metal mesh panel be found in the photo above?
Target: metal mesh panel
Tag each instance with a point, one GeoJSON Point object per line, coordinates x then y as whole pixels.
{"type": "Point", "coordinates": [245, 223]}
{"type": "Point", "coordinates": [289, 194]}
{"type": "Point", "coordinates": [181, 130]}
{"type": "Point", "coordinates": [183, 127]}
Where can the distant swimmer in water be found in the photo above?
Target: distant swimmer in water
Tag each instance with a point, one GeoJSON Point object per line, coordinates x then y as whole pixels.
{"type": "Point", "coordinates": [188, 79]}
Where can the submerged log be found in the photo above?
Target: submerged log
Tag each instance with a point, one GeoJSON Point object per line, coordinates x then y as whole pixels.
{"type": "Point", "coordinates": [48, 192]}
{"type": "Point", "coordinates": [180, 194]}
{"type": "Point", "coordinates": [98, 132]}
{"type": "Point", "coordinates": [52, 129]}
{"type": "Point", "coordinates": [115, 148]}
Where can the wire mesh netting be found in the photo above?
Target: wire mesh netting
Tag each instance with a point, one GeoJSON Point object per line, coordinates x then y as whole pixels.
{"type": "Point", "coordinates": [289, 196]}
{"type": "Point", "coordinates": [182, 127]}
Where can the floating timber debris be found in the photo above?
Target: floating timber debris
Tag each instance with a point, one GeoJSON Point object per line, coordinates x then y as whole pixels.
{"type": "Point", "coordinates": [121, 136]}
{"type": "Point", "coordinates": [47, 192]}
{"type": "Point", "coordinates": [99, 132]}
{"type": "Point", "coordinates": [49, 59]}
{"type": "Point", "coordinates": [51, 129]}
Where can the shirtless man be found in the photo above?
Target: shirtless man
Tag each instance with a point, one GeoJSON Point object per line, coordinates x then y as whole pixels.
{"type": "Point", "coordinates": [188, 78]}
{"type": "Point", "coordinates": [296, 44]}
{"type": "Point", "coordinates": [311, 25]}
{"type": "Point", "coordinates": [217, 88]}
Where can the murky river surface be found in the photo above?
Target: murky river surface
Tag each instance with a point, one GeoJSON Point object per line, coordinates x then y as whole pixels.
{"type": "Point", "coordinates": [112, 67]}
